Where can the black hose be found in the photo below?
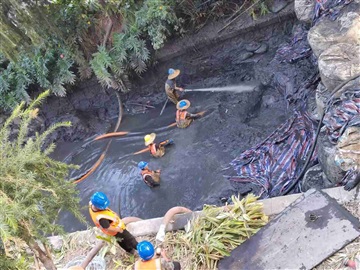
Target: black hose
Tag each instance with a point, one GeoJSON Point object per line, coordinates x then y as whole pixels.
{"type": "Point", "coordinates": [317, 135]}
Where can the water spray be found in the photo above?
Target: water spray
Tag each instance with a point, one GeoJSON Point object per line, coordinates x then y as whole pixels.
{"type": "Point", "coordinates": [236, 89]}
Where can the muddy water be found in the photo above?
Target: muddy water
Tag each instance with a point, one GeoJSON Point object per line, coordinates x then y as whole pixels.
{"type": "Point", "coordinates": [191, 169]}
{"type": "Point", "coordinates": [192, 172]}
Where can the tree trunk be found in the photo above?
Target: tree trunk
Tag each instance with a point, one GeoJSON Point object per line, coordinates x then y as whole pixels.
{"type": "Point", "coordinates": [42, 256]}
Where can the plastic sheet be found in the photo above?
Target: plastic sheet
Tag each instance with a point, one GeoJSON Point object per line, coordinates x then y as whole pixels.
{"type": "Point", "coordinates": [276, 162]}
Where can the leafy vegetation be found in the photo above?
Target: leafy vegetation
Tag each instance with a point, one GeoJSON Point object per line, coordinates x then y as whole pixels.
{"type": "Point", "coordinates": [46, 68]}
{"type": "Point", "coordinates": [210, 237]}
{"type": "Point", "coordinates": [33, 189]}
{"type": "Point", "coordinates": [107, 38]}
{"type": "Point", "coordinates": [44, 43]}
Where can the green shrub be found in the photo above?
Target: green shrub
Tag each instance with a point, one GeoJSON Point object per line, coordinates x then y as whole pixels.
{"type": "Point", "coordinates": [33, 188]}
{"type": "Point", "coordinates": [45, 68]}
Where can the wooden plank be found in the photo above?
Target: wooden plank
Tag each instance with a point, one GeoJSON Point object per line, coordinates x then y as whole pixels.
{"type": "Point", "coordinates": [307, 232]}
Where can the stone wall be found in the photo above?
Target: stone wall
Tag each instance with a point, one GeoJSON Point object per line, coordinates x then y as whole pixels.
{"type": "Point", "coordinates": [335, 40]}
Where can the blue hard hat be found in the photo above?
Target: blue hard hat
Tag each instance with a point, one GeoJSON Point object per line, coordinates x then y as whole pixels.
{"type": "Point", "coordinates": [171, 71]}
{"type": "Point", "coordinates": [146, 250]}
{"type": "Point", "coordinates": [182, 104]}
{"type": "Point", "coordinates": [100, 200]}
{"type": "Point", "coordinates": [142, 165]}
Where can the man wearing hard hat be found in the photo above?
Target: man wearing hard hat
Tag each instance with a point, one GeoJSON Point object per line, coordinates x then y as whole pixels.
{"type": "Point", "coordinates": [170, 85]}
{"type": "Point", "coordinates": [151, 178]}
{"type": "Point", "coordinates": [156, 150]}
{"type": "Point", "coordinates": [184, 118]}
{"type": "Point", "coordinates": [109, 222]}
{"type": "Point", "coordinates": [148, 260]}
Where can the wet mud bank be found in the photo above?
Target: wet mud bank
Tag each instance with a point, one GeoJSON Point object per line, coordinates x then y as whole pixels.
{"type": "Point", "coordinates": [193, 168]}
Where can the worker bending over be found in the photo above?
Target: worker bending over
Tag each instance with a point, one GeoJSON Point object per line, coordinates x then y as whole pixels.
{"type": "Point", "coordinates": [109, 222]}
{"type": "Point", "coordinates": [184, 118]}
{"type": "Point", "coordinates": [156, 150]}
{"type": "Point", "coordinates": [170, 86]}
{"type": "Point", "coordinates": [151, 178]}
{"type": "Point", "coordinates": [148, 262]}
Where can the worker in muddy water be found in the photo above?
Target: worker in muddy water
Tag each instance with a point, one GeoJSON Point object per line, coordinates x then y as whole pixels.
{"type": "Point", "coordinates": [151, 178]}
{"type": "Point", "coordinates": [156, 150]}
{"type": "Point", "coordinates": [149, 262]}
{"type": "Point", "coordinates": [170, 86]}
{"type": "Point", "coordinates": [184, 118]}
{"type": "Point", "coordinates": [109, 222]}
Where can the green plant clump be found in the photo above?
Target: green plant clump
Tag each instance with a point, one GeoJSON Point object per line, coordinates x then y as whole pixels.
{"type": "Point", "coordinates": [33, 189]}
{"type": "Point", "coordinates": [213, 235]}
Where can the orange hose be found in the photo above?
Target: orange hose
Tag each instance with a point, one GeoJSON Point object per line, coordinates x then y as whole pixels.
{"type": "Point", "coordinates": [112, 134]}
{"type": "Point", "coordinates": [102, 156]}
{"type": "Point", "coordinates": [201, 113]}
{"type": "Point", "coordinates": [147, 149]}
{"type": "Point", "coordinates": [93, 168]}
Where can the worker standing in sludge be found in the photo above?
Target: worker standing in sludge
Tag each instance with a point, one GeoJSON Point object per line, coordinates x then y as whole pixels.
{"type": "Point", "coordinates": [156, 150]}
{"type": "Point", "coordinates": [148, 262]}
{"type": "Point", "coordinates": [151, 178]}
{"type": "Point", "coordinates": [109, 222]}
{"type": "Point", "coordinates": [184, 118]}
{"type": "Point", "coordinates": [170, 86]}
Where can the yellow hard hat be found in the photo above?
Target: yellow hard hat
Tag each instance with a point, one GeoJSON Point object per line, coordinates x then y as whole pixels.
{"type": "Point", "coordinates": [149, 138]}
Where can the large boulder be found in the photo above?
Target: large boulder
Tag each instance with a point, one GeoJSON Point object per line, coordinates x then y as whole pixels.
{"type": "Point", "coordinates": [345, 29]}
{"type": "Point", "coordinates": [326, 155]}
{"type": "Point", "coordinates": [338, 63]}
{"type": "Point", "coordinates": [348, 148]}
{"type": "Point", "coordinates": [305, 10]}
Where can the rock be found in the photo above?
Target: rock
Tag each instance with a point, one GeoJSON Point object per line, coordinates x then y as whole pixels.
{"type": "Point", "coordinates": [315, 178]}
{"type": "Point", "coordinates": [343, 30]}
{"type": "Point", "coordinates": [338, 63]}
{"type": "Point", "coordinates": [278, 5]}
{"type": "Point", "coordinates": [348, 148]}
{"type": "Point", "coordinates": [326, 154]}
{"type": "Point", "coordinates": [268, 100]}
{"type": "Point", "coordinates": [245, 55]}
{"type": "Point", "coordinates": [262, 49]}
{"type": "Point", "coordinates": [253, 46]}
{"type": "Point", "coordinates": [304, 10]}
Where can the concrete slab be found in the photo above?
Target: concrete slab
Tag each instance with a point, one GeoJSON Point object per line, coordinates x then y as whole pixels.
{"type": "Point", "coordinates": [308, 231]}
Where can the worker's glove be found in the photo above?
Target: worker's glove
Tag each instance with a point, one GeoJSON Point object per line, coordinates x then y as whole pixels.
{"type": "Point", "coordinates": [160, 236]}
{"type": "Point", "coordinates": [171, 141]}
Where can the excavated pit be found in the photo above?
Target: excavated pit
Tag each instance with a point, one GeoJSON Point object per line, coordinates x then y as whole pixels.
{"type": "Point", "coordinates": [192, 169]}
